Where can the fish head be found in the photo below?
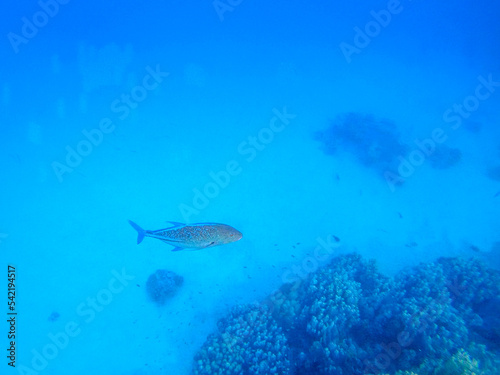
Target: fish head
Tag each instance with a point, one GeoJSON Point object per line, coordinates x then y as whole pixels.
{"type": "Point", "coordinates": [228, 234]}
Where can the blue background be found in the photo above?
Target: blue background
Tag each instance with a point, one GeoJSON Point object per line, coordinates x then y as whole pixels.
{"type": "Point", "coordinates": [228, 74]}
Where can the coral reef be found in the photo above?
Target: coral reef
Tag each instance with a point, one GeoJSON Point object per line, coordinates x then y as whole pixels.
{"type": "Point", "coordinates": [249, 342]}
{"type": "Point", "coordinates": [445, 157]}
{"type": "Point", "coordinates": [420, 306]}
{"type": "Point", "coordinates": [162, 285]}
{"type": "Point", "coordinates": [476, 295]}
{"type": "Point", "coordinates": [460, 364]}
{"type": "Point", "coordinates": [335, 306]}
{"type": "Point", "coordinates": [374, 142]}
{"type": "Point", "coordinates": [346, 318]}
{"type": "Point", "coordinates": [493, 173]}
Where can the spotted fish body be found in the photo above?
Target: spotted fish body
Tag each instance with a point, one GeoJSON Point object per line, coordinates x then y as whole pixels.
{"type": "Point", "coordinates": [195, 236]}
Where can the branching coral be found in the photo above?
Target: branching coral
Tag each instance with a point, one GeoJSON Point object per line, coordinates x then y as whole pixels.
{"type": "Point", "coordinates": [460, 364]}
{"type": "Point", "coordinates": [347, 318]}
{"type": "Point", "coordinates": [249, 341]}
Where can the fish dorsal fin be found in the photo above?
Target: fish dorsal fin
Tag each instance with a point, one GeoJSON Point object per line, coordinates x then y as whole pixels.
{"type": "Point", "coordinates": [176, 223]}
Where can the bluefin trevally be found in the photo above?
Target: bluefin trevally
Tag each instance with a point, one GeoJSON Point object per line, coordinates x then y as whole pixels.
{"type": "Point", "coordinates": [194, 236]}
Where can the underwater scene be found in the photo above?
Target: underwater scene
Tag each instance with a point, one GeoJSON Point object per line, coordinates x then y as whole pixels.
{"type": "Point", "coordinates": [250, 187]}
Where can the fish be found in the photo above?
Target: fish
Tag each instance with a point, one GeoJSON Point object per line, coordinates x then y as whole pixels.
{"type": "Point", "coordinates": [194, 236]}
{"type": "Point", "coordinates": [411, 244]}
{"type": "Point", "coordinates": [475, 248]}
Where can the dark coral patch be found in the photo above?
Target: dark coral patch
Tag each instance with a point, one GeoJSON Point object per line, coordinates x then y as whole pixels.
{"type": "Point", "coordinates": [162, 285]}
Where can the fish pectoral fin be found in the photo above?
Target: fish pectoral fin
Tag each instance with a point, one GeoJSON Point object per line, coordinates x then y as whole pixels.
{"type": "Point", "coordinates": [167, 240]}
{"type": "Point", "coordinates": [177, 248]}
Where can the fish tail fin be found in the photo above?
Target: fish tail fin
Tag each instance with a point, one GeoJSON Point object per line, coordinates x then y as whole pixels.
{"type": "Point", "coordinates": [140, 232]}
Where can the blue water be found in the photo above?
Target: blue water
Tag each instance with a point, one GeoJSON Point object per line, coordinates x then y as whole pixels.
{"type": "Point", "coordinates": [370, 128]}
